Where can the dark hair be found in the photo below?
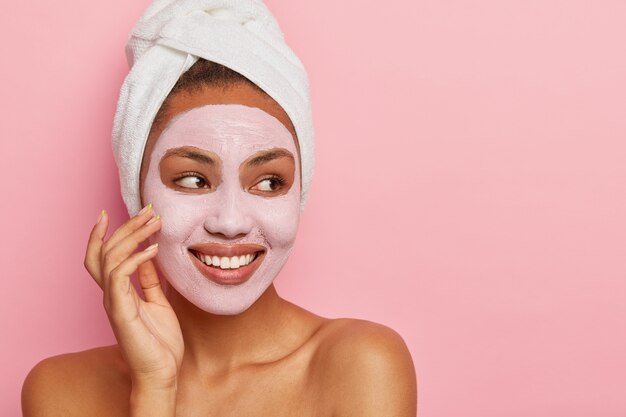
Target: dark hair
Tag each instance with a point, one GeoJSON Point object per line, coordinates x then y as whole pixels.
{"type": "Point", "coordinates": [208, 73]}
{"type": "Point", "coordinates": [202, 74]}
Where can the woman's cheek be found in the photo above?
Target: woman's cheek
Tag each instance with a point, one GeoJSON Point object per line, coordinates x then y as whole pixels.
{"type": "Point", "coordinates": [180, 215]}
{"type": "Point", "coordinates": [279, 218]}
{"type": "Point", "coordinates": [179, 212]}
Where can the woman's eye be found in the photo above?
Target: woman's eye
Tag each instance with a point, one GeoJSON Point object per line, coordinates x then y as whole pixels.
{"type": "Point", "coordinates": [191, 181]}
{"type": "Point", "coordinates": [269, 184]}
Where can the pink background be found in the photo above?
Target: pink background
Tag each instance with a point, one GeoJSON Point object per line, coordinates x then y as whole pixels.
{"type": "Point", "coordinates": [470, 189]}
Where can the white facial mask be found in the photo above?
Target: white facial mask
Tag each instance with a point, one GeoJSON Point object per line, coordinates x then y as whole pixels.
{"type": "Point", "coordinates": [229, 215]}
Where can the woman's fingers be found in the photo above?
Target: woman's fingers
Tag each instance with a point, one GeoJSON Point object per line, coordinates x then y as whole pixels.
{"type": "Point", "coordinates": [112, 262]}
{"type": "Point", "coordinates": [129, 227]}
{"type": "Point", "coordinates": [126, 246]}
{"type": "Point", "coordinates": [94, 247]}
{"type": "Point", "coordinates": [121, 299]}
{"type": "Point", "coordinates": [150, 283]}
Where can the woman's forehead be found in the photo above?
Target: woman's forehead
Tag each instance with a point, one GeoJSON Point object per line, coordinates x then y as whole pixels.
{"type": "Point", "coordinates": [240, 93]}
{"type": "Point", "coordinates": [232, 129]}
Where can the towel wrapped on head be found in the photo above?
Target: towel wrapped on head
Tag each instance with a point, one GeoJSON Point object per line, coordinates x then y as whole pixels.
{"type": "Point", "coordinates": [169, 38]}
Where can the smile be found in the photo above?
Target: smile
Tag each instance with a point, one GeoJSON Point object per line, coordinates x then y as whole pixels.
{"type": "Point", "coordinates": [225, 262]}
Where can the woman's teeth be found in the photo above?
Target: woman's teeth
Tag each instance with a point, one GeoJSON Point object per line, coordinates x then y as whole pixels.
{"type": "Point", "coordinates": [224, 262]}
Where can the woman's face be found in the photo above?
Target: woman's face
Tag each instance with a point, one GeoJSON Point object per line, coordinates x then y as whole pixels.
{"type": "Point", "coordinates": [224, 176]}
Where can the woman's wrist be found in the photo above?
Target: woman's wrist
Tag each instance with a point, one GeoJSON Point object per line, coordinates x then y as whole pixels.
{"type": "Point", "coordinates": [152, 384]}
{"type": "Point", "coordinates": [153, 401]}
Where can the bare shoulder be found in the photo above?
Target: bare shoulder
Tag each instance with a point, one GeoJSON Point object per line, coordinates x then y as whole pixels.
{"type": "Point", "coordinates": [366, 369]}
{"type": "Point", "coordinates": [77, 384]}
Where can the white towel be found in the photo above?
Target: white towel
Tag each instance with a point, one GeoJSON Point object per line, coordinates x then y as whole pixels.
{"type": "Point", "coordinates": [239, 34]}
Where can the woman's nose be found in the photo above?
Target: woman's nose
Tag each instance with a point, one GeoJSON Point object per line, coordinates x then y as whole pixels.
{"type": "Point", "coordinates": [231, 219]}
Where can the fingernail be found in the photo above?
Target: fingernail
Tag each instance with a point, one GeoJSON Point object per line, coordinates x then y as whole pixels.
{"type": "Point", "coordinates": [151, 247]}
{"type": "Point", "coordinates": [102, 214]}
{"type": "Point", "coordinates": [154, 219]}
{"type": "Point", "coordinates": [145, 209]}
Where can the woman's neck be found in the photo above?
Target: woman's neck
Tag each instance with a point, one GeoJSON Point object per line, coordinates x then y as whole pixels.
{"type": "Point", "coordinates": [216, 344]}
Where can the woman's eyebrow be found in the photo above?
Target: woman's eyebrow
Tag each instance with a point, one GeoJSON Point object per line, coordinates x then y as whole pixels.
{"type": "Point", "coordinates": [269, 156]}
{"type": "Point", "coordinates": [185, 153]}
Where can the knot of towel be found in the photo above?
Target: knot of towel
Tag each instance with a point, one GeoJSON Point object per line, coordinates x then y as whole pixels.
{"type": "Point", "coordinates": [170, 37]}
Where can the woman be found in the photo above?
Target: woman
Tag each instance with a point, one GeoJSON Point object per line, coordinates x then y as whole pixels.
{"type": "Point", "coordinates": [222, 178]}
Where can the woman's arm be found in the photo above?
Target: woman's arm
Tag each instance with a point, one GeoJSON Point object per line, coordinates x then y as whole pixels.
{"type": "Point", "coordinates": [147, 330]}
{"type": "Point", "coordinates": [137, 377]}
{"type": "Point", "coordinates": [152, 402]}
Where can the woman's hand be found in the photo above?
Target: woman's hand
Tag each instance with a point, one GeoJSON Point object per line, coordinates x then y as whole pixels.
{"type": "Point", "coordinates": [147, 331]}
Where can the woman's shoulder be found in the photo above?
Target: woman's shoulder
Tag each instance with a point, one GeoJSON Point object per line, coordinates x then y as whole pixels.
{"type": "Point", "coordinates": [78, 383]}
{"type": "Point", "coordinates": [353, 340]}
{"type": "Point", "coordinates": [367, 366]}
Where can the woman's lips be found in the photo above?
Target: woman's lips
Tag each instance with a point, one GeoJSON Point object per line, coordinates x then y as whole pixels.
{"type": "Point", "coordinates": [227, 264]}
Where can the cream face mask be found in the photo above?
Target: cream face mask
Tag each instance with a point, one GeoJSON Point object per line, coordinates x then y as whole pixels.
{"type": "Point", "coordinates": [225, 180]}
